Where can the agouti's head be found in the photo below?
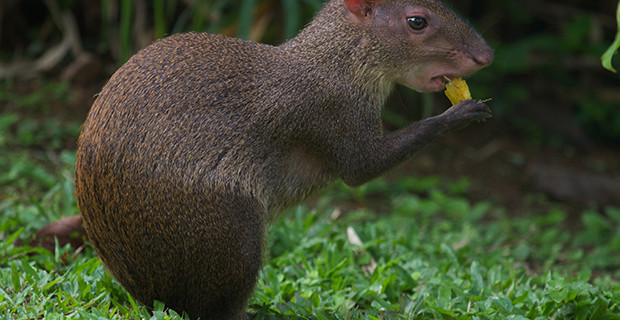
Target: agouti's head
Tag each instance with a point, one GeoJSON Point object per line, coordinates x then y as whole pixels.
{"type": "Point", "coordinates": [420, 41]}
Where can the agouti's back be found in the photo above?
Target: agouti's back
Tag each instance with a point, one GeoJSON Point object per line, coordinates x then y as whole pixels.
{"type": "Point", "coordinates": [180, 105]}
{"type": "Point", "coordinates": [199, 139]}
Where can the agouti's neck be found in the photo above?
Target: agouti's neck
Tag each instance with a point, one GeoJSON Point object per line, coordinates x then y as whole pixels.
{"type": "Point", "coordinates": [333, 43]}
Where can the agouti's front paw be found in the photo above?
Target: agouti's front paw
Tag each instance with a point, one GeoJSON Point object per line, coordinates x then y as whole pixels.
{"type": "Point", "coordinates": [467, 111]}
{"type": "Point", "coordinates": [475, 109]}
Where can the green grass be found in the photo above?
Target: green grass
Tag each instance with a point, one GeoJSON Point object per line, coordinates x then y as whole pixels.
{"type": "Point", "coordinates": [438, 255]}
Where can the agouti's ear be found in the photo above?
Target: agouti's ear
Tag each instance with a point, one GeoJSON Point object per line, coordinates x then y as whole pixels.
{"type": "Point", "coordinates": [361, 8]}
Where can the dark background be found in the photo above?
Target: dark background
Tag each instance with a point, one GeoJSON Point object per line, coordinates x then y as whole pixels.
{"type": "Point", "coordinates": [555, 132]}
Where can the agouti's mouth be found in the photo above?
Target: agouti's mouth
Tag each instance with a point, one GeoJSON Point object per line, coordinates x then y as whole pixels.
{"type": "Point", "coordinates": [448, 78]}
{"type": "Point", "coordinates": [427, 82]}
{"type": "Point", "coordinates": [438, 82]}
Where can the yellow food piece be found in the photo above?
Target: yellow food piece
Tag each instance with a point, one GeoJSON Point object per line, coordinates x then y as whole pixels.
{"type": "Point", "coordinates": [457, 91]}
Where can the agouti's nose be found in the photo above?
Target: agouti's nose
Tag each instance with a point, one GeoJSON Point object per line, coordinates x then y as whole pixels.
{"type": "Point", "coordinates": [484, 57]}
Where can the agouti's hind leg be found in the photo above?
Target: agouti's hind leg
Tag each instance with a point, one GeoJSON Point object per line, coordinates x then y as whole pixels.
{"type": "Point", "coordinates": [222, 258]}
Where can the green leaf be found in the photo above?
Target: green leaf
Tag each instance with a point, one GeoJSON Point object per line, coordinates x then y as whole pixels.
{"type": "Point", "coordinates": [17, 286]}
{"type": "Point", "coordinates": [10, 240]}
{"type": "Point", "coordinates": [613, 213]}
{"type": "Point", "coordinates": [584, 275]}
{"type": "Point", "coordinates": [609, 54]}
{"type": "Point", "coordinates": [476, 279]}
{"type": "Point", "coordinates": [445, 293]}
{"type": "Point", "coordinates": [445, 249]}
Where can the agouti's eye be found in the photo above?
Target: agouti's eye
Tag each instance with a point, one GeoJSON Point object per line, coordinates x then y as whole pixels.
{"type": "Point", "coordinates": [417, 23]}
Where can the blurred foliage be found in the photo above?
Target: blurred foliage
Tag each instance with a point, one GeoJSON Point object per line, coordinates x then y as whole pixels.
{"type": "Point", "coordinates": [547, 52]}
{"type": "Point", "coordinates": [558, 68]}
{"type": "Point", "coordinates": [121, 27]}
{"type": "Point", "coordinates": [29, 120]}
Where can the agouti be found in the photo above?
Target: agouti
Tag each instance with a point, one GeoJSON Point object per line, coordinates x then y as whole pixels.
{"type": "Point", "coordinates": [199, 140]}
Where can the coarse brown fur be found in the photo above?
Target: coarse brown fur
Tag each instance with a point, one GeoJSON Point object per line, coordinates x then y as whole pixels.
{"type": "Point", "coordinates": [199, 140]}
